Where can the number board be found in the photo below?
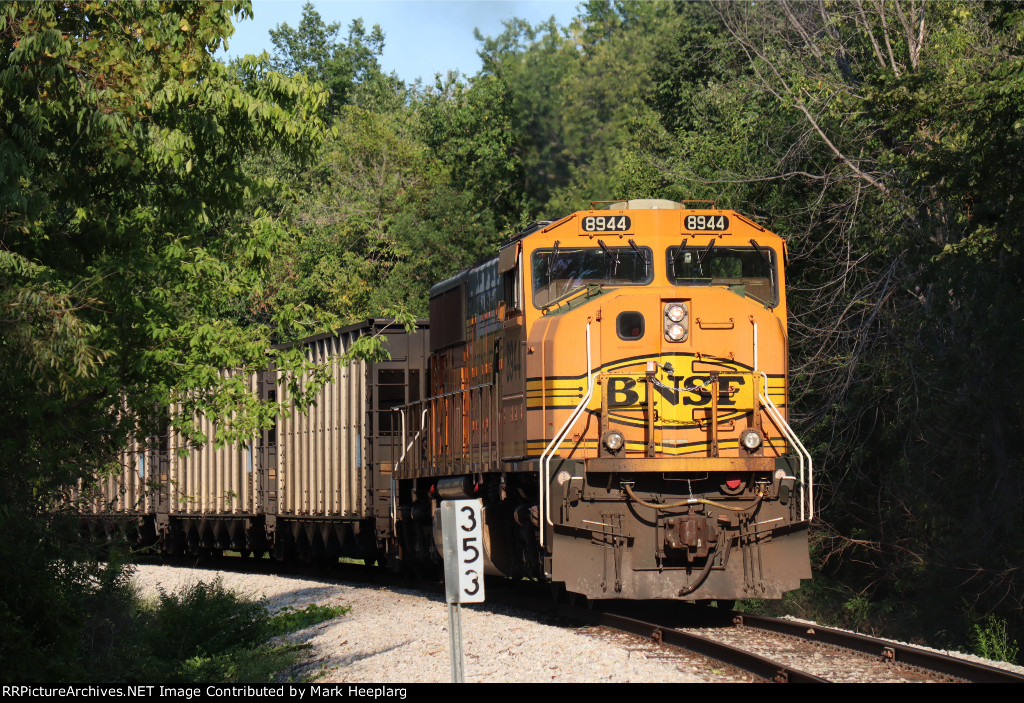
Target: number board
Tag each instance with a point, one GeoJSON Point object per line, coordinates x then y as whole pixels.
{"type": "Point", "coordinates": [606, 223]}
{"type": "Point", "coordinates": [463, 546]}
{"type": "Point", "coordinates": [706, 223]}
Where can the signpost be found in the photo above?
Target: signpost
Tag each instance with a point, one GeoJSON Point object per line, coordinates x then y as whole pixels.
{"type": "Point", "coordinates": [463, 546]}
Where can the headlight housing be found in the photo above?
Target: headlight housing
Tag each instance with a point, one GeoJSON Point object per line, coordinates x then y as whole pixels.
{"type": "Point", "coordinates": [677, 322]}
{"type": "Point", "coordinates": [750, 439]}
{"type": "Point", "coordinates": [613, 440]}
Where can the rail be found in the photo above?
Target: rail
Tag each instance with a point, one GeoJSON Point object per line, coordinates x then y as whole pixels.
{"type": "Point", "coordinates": [894, 652]}
{"type": "Point", "coordinates": [459, 432]}
{"type": "Point", "coordinates": [759, 666]}
{"type": "Point", "coordinates": [806, 479]}
{"type": "Point", "coordinates": [556, 442]}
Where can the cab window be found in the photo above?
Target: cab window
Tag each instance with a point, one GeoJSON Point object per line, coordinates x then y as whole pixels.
{"type": "Point", "coordinates": [558, 272]}
{"type": "Point", "coordinates": [746, 271]}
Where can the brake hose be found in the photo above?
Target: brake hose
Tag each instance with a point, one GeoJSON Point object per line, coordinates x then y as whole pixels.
{"type": "Point", "coordinates": [692, 501]}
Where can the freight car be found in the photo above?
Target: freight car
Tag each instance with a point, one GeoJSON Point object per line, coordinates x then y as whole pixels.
{"type": "Point", "coordinates": [315, 485]}
{"type": "Point", "coordinates": [612, 385]}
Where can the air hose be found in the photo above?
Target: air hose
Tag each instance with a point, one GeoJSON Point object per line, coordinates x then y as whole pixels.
{"type": "Point", "coordinates": [693, 501]}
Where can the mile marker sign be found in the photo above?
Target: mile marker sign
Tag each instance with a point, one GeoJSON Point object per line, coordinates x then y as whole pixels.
{"type": "Point", "coordinates": [463, 545]}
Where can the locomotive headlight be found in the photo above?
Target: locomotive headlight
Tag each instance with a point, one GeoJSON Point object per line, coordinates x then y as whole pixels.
{"type": "Point", "coordinates": [613, 441]}
{"type": "Point", "coordinates": [676, 322]}
{"type": "Point", "coordinates": [751, 439]}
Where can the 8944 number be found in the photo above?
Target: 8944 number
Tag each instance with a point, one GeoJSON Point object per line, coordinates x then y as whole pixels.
{"type": "Point", "coordinates": [610, 223]}
{"type": "Point", "coordinates": [706, 223]}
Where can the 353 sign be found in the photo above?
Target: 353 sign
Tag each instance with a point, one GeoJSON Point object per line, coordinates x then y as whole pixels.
{"type": "Point", "coordinates": [463, 545]}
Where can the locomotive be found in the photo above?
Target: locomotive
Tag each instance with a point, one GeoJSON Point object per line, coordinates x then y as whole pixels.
{"type": "Point", "coordinates": [612, 386]}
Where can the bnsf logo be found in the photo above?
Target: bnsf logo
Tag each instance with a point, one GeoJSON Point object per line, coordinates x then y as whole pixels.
{"type": "Point", "coordinates": [692, 390]}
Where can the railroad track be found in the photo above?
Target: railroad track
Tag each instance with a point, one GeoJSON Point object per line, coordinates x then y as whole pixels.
{"type": "Point", "coordinates": [754, 647]}
{"type": "Point", "coordinates": [786, 651]}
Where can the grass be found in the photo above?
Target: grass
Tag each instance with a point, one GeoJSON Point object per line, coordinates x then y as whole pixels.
{"type": "Point", "coordinates": [201, 633]}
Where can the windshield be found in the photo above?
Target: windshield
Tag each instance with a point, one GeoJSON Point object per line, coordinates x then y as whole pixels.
{"type": "Point", "coordinates": [558, 272]}
{"type": "Point", "coordinates": [749, 272]}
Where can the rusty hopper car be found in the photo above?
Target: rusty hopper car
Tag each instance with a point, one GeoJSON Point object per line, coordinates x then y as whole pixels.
{"type": "Point", "coordinates": [613, 385]}
{"type": "Point", "coordinates": [316, 484]}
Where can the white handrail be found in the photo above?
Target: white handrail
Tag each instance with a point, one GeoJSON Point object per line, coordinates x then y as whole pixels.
{"type": "Point", "coordinates": [405, 449]}
{"type": "Point", "coordinates": [808, 494]}
{"type": "Point", "coordinates": [548, 453]}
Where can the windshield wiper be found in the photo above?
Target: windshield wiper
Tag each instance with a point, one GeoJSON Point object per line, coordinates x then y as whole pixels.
{"type": "Point", "coordinates": [771, 269]}
{"type": "Point", "coordinates": [641, 253]}
{"type": "Point", "coordinates": [679, 252]}
{"type": "Point", "coordinates": [703, 255]}
{"type": "Point", "coordinates": [612, 255]}
{"type": "Point", "coordinates": [761, 251]}
{"type": "Point", "coordinates": [711, 245]}
{"type": "Point", "coordinates": [553, 261]}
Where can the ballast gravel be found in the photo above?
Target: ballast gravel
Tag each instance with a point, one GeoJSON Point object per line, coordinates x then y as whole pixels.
{"type": "Point", "coordinates": [401, 636]}
{"type": "Point", "coordinates": [394, 635]}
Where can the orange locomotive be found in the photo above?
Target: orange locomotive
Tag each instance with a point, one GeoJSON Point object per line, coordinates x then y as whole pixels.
{"type": "Point", "coordinates": [613, 386]}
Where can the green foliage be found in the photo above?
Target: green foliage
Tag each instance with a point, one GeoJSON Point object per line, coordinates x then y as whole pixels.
{"type": "Point", "coordinates": [312, 48]}
{"type": "Point", "coordinates": [990, 639]}
{"type": "Point", "coordinates": [206, 633]}
{"type": "Point", "coordinates": [751, 605]}
{"type": "Point", "coordinates": [289, 619]}
{"type": "Point", "coordinates": [129, 256]}
{"type": "Point", "coordinates": [472, 129]}
{"type": "Point", "coordinates": [265, 663]}
{"type": "Point", "coordinates": [201, 633]}
{"type": "Point", "coordinates": [206, 618]}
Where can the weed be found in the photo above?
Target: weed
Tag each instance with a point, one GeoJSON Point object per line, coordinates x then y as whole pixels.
{"type": "Point", "coordinates": [990, 639]}
{"type": "Point", "coordinates": [290, 620]}
{"type": "Point", "coordinates": [200, 633]}
{"type": "Point", "coordinates": [754, 606]}
{"type": "Point", "coordinates": [262, 664]}
{"type": "Point", "coordinates": [205, 618]}
{"type": "Point", "coordinates": [859, 609]}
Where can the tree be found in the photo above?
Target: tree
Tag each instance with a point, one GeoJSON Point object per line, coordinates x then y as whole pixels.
{"type": "Point", "coordinates": [473, 130]}
{"type": "Point", "coordinates": [378, 222]}
{"type": "Point", "coordinates": [313, 48]}
{"type": "Point", "coordinates": [127, 254]}
{"type": "Point", "coordinates": [835, 121]}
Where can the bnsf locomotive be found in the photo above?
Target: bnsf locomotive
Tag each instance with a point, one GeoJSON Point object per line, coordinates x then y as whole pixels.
{"type": "Point", "coordinates": [613, 386]}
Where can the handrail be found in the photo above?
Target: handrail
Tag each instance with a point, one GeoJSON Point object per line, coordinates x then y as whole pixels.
{"type": "Point", "coordinates": [780, 421]}
{"type": "Point", "coordinates": [773, 412]}
{"type": "Point", "coordinates": [545, 457]}
{"type": "Point", "coordinates": [405, 449]}
{"type": "Point", "coordinates": [443, 395]}
{"type": "Point", "coordinates": [426, 404]}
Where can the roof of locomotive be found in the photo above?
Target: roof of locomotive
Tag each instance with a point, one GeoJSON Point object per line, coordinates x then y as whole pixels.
{"type": "Point", "coordinates": [540, 225]}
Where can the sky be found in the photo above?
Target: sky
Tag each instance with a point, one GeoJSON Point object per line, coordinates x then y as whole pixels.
{"type": "Point", "coordinates": [421, 37]}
